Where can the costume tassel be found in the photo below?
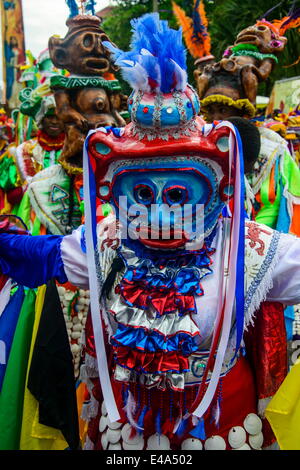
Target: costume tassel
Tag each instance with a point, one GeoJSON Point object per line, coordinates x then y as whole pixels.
{"type": "Point", "coordinates": [141, 419]}
{"type": "Point", "coordinates": [158, 423]}
{"type": "Point", "coordinates": [167, 428]}
{"type": "Point", "coordinates": [199, 430]}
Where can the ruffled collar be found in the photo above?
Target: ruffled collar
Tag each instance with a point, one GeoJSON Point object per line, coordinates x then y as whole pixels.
{"type": "Point", "coordinates": [165, 282]}
{"type": "Point", "coordinates": [49, 143]}
{"type": "Point", "coordinates": [173, 258]}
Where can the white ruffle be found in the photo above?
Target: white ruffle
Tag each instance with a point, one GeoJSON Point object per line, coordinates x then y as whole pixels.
{"type": "Point", "coordinates": [163, 381]}
{"type": "Point", "coordinates": [167, 325]}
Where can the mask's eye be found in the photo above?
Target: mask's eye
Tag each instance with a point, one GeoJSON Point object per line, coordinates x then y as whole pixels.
{"type": "Point", "coordinates": [175, 195]}
{"type": "Point", "coordinates": [143, 194]}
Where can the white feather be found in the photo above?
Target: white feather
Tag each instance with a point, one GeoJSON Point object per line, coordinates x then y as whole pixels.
{"type": "Point", "coordinates": [145, 52]}
{"type": "Point", "coordinates": [216, 413]}
{"type": "Point", "coordinates": [130, 409]}
{"type": "Point", "coordinates": [137, 77]}
{"type": "Point", "coordinates": [181, 77]}
{"type": "Point", "coordinates": [127, 62]}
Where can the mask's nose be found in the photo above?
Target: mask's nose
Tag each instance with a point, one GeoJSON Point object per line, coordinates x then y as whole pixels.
{"type": "Point", "coordinates": [164, 217]}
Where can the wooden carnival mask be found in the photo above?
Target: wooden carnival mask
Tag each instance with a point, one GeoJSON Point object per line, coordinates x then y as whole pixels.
{"type": "Point", "coordinates": [233, 81]}
{"type": "Point", "coordinates": [81, 52]}
{"type": "Point", "coordinates": [90, 96]}
{"type": "Point", "coordinates": [262, 36]}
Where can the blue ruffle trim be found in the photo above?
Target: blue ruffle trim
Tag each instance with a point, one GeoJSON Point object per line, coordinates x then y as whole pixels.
{"type": "Point", "coordinates": [143, 340]}
{"type": "Point", "coordinates": [185, 281]}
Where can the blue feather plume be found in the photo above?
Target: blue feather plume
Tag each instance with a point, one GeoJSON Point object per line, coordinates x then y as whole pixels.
{"type": "Point", "coordinates": [90, 6]}
{"type": "Point", "coordinates": [157, 59]}
{"type": "Point", "coordinates": [141, 419]}
{"type": "Point", "coordinates": [74, 11]}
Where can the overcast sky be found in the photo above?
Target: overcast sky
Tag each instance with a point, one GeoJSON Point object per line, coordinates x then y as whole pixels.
{"type": "Point", "coordinates": [42, 19]}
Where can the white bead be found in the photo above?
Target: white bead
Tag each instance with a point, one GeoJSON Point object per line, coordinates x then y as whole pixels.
{"type": "Point", "coordinates": [243, 447]}
{"type": "Point", "coordinates": [253, 424]}
{"type": "Point", "coordinates": [104, 441]}
{"type": "Point", "coordinates": [103, 423]}
{"type": "Point", "coordinates": [69, 295]}
{"type": "Point", "coordinates": [69, 325]}
{"type": "Point", "coordinates": [158, 442]}
{"type": "Point", "coordinates": [113, 435]}
{"type": "Point", "coordinates": [75, 335]}
{"type": "Point", "coordinates": [77, 327]}
{"type": "Point", "coordinates": [115, 447]}
{"type": "Point", "coordinates": [126, 433]}
{"type": "Point", "coordinates": [237, 437]}
{"type": "Point", "coordinates": [256, 441]}
{"type": "Point", "coordinates": [114, 425]}
{"type": "Point", "coordinates": [192, 444]}
{"type": "Point", "coordinates": [137, 446]}
{"type": "Point", "coordinates": [215, 443]}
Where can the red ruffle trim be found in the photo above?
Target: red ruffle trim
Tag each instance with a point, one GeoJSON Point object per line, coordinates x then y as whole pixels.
{"type": "Point", "coordinates": [149, 362]}
{"type": "Point", "coordinates": [162, 301]}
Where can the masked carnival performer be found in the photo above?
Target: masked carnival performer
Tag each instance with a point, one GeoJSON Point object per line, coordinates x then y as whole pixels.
{"type": "Point", "coordinates": [165, 361]}
{"type": "Point", "coordinates": [24, 129]}
{"type": "Point", "coordinates": [37, 122]}
{"type": "Point", "coordinates": [39, 103]}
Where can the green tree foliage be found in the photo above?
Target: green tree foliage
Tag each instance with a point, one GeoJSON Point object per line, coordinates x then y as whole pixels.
{"type": "Point", "coordinates": [226, 19]}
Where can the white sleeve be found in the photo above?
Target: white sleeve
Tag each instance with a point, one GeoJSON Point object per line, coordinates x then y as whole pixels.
{"type": "Point", "coordinates": [74, 259]}
{"type": "Point", "coordinates": [286, 274]}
